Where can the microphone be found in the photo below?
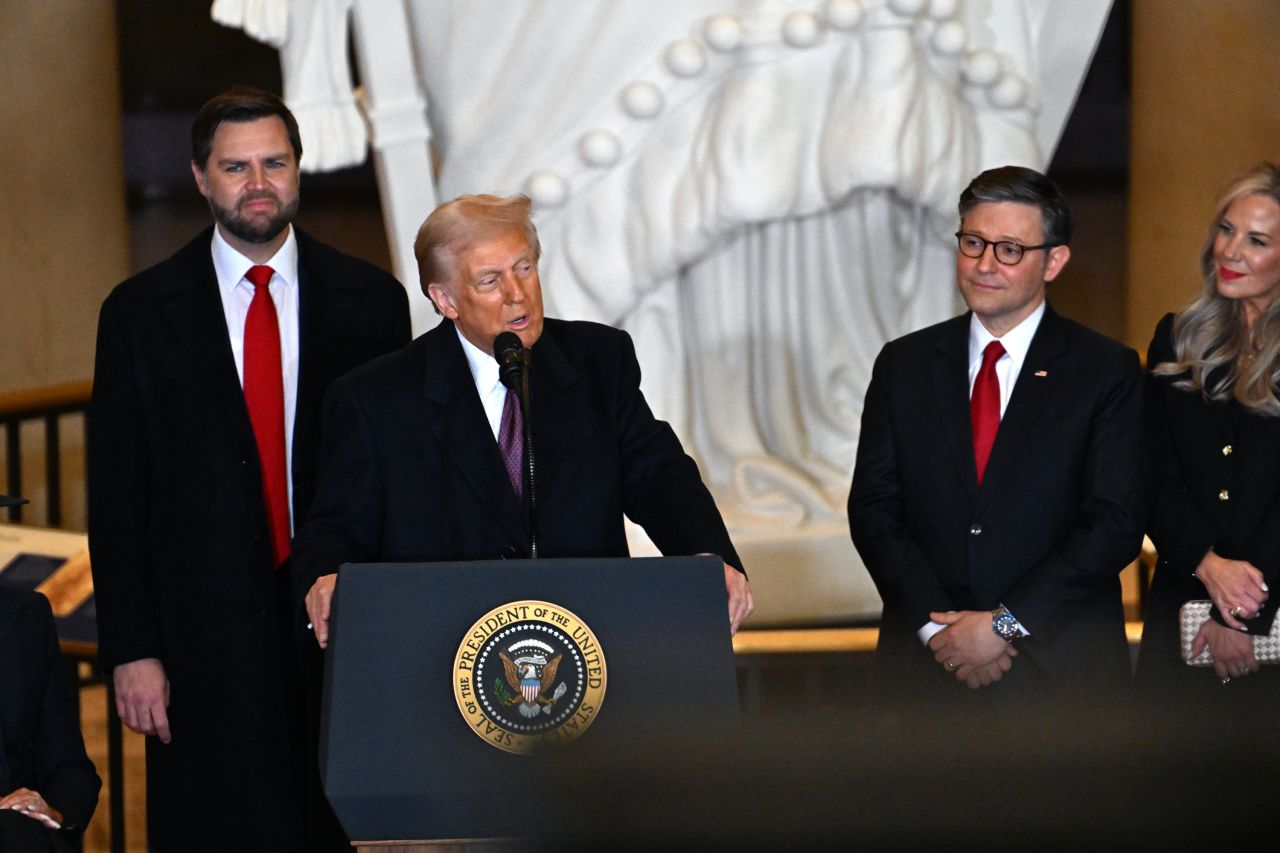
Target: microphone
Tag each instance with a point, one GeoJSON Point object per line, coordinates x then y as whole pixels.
{"type": "Point", "coordinates": [512, 360]}
{"type": "Point", "coordinates": [509, 353]}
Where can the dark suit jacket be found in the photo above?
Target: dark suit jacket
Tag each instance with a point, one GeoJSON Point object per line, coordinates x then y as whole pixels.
{"type": "Point", "coordinates": [39, 724]}
{"type": "Point", "coordinates": [1215, 484]}
{"type": "Point", "coordinates": [178, 532]}
{"type": "Point", "coordinates": [410, 470]}
{"type": "Point", "coordinates": [1058, 515]}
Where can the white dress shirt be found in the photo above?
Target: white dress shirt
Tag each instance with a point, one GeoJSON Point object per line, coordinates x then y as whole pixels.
{"type": "Point", "coordinates": [1016, 342]}
{"type": "Point", "coordinates": [237, 292]}
{"type": "Point", "coordinates": [484, 372]}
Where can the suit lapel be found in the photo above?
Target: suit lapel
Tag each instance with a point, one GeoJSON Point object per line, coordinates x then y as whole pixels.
{"type": "Point", "coordinates": [191, 304]}
{"type": "Point", "coordinates": [458, 422]}
{"type": "Point", "coordinates": [554, 404]}
{"type": "Point", "coordinates": [951, 395]}
{"type": "Point", "coordinates": [1039, 375]}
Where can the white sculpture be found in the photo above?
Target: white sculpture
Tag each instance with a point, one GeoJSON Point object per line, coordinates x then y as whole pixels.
{"type": "Point", "coordinates": [762, 191]}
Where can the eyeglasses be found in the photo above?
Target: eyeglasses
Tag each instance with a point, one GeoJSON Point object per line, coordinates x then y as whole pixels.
{"type": "Point", "coordinates": [1006, 251]}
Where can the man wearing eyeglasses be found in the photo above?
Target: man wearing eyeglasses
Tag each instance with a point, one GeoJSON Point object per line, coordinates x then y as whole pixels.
{"type": "Point", "coordinates": [998, 490]}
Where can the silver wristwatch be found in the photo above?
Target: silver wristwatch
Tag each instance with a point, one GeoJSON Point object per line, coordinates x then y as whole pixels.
{"type": "Point", "coordinates": [1003, 625]}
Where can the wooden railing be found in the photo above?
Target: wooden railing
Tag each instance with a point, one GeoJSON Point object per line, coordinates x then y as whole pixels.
{"type": "Point", "coordinates": [47, 405]}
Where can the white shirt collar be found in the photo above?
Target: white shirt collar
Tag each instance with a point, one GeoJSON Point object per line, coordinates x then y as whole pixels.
{"type": "Point", "coordinates": [484, 367]}
{"type": "Point", "coordinates": [1016, 341]}
{"type": "Point", "coordinates": [231, 266]}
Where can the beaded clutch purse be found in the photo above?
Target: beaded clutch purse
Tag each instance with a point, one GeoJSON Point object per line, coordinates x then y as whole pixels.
{"type": "Point", "coordinates": [1266, 647]}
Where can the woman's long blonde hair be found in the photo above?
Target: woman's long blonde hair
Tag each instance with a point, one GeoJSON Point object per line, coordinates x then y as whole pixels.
{"type": "Point", "coordinates": [1210, 340]}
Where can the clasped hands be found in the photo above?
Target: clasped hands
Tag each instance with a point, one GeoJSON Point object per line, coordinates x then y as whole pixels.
{"type": "Point", "coordinates": [1239, 592]}
{"type": "Point", "coordinates": [1236, 587]}
{"type": "Point", "coordinates": [969, 649]}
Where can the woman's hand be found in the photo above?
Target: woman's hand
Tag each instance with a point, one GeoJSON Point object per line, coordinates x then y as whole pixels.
{"type": "Point", "coordinates": [1236, 587]}
{"type": "Point", "coordinates": [1232, 651]}
{"type": "Point", "coordinates": [31, 804]}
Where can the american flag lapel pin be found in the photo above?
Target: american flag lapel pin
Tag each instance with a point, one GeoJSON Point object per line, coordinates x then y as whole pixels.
{"type": "Point", "coordinates": [1042, 373]}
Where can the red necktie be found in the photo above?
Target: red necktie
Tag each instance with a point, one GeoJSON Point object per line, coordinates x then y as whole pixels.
{"type": "Point", "coordinates": [984, 407]}
{"type": "Point", "coordinates": [264, 396]}
{"type": "Point", "coordinates": [511, 441]}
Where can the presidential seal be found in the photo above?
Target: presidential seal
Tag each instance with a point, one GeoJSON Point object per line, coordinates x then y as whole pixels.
{"type": "Point", "coordinates": [529, 674]}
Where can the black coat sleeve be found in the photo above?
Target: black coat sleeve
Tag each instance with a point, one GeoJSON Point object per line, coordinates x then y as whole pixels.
{"type": "Point", "coordinates": [43, 744]}
{"type": "Point", "coordinates": [1106, 533]}
{"type": "Point", "coordinates": [65, 775]}
{"type": "Point", "coordinates": [662, 490]}
{"type": "Point", "coordinates": [877, 510]}
{"type": "Point", "coordinates": [346, 518]}
{"type": "Point", "coordinates": [1182, 532]}
{"type": "Point", "coordinates": [118, 499]}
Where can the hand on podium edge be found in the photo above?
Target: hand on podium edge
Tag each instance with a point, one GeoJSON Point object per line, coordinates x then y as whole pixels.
{"type": "Point", "coordinates": [142, 695]}
{"type": "Point", "coordinates": [318, 600]}
{"type": "Point", "coordinates": [741, 604]}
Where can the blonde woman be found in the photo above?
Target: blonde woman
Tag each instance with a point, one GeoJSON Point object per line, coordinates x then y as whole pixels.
{"type": "Point", "coordinates": [1214, 421]}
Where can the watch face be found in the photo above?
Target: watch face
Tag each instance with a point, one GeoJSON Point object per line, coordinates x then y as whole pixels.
{"type": "Point", "coordinates": [1005, 625]}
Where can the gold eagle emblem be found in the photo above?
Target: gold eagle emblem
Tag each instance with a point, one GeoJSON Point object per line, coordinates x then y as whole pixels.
{"type": "Point", "coordinates": [530, 687]}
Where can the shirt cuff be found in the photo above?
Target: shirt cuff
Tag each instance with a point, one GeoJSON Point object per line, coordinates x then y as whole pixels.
{"type": "Point", "coordinates": [928, 630]}
{"type": "Point", "coordinates": [1022, 629]}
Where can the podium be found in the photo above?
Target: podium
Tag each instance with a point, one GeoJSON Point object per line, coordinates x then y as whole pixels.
{"type": "Point", "coordinates": [457, 693]}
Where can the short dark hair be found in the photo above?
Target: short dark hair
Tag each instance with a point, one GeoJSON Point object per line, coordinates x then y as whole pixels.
{"type": "Point", "coordinates": [1024, 186]}
{"type": "Point", "coordinates": [237, 104]}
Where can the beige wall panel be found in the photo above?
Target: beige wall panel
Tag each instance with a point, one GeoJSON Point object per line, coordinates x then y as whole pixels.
{"type": "Point", "coordinates": [63, 228]}
{"type": "Point", "coordinates": [1204, 109]}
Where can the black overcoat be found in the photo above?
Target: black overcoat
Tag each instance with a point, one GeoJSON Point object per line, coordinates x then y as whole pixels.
{"type": "Point", "coordinates": [178, 535]}
{"type": "Point", "coordinates": [410, 470]}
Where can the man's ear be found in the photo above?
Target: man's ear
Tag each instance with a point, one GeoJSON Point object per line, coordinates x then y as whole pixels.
{"type": "Point", "coordinates": [1055, 260]}
{"type": "Point", "coordinates": [440, 295]}
{"type": "Point", "coordinates": [201, 183]}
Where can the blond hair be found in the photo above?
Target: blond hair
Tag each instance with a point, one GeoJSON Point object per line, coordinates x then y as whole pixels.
{"type": "Point", "coordinates": [1211, 343]}
{"type": "Point", "coordinates": [463, 222]}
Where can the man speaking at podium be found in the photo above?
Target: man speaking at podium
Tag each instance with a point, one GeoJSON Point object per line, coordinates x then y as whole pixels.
{"type": "Point", "coordinates": [423, 456]}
